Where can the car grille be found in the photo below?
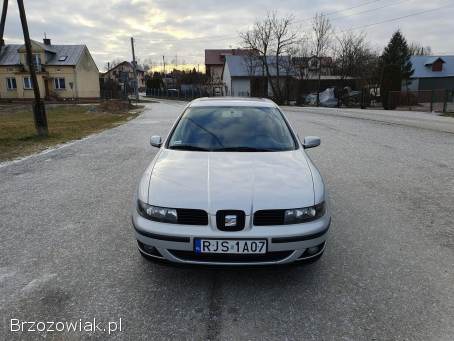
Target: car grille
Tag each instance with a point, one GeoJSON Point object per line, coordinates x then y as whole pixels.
{"type": "Point", "coordinates": [269, 217]}
{"type": "Point", "coordinates": [231, 258]}
{"type": "Point", "coordinates": [192, 217]}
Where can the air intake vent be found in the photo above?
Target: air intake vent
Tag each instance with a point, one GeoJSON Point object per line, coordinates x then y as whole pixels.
{"type": "Point", "coordinates": [192, 217]}
{"type": "Point", "coordinates": [231, 258]}
{"type": "Point", "coordinates": [269, 217]}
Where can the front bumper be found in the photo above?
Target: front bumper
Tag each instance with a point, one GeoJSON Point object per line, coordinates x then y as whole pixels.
{"type": "Point", "coordinates": [286, 243]}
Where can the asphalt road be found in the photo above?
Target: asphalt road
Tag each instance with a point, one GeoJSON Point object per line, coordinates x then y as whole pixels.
{"type": "Point", "coordinates": [67, 250]}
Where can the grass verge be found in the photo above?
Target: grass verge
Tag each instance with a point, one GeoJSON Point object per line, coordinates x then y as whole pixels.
{"type": "Point", "coordinates": [66, 122]}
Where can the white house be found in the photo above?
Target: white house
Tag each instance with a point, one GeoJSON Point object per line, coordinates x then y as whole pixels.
{"type": "Point", "coordinates": [246, 75]}
{"type": "Point", "coordinates": [214, 64]}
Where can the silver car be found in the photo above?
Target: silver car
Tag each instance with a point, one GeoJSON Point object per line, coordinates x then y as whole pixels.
{"type": "Point", "coordinates": [231, 185]}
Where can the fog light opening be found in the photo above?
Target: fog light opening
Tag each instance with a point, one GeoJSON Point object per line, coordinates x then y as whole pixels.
{"type": "Point", "coordinates": [313, 250]}
{"type": "Point", "coordinates": [151, 250]}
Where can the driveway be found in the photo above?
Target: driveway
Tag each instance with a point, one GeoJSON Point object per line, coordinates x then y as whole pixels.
{"type": "Point", "coordinates": [67, 250]}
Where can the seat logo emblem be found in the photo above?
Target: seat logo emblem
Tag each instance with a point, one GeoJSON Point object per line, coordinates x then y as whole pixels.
{"type": "Point", "coordinates": [230, 220]}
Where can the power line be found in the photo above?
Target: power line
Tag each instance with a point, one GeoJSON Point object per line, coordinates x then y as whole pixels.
{"type": "Point", "coordinates": [365, 11]}
{"type": "Point", "coordinates": [352, 28]}
{"type": "Point", "coordinates": [341, 10]}
{"type": "Point", "coordinates": [227, 36]}
{"type": "Point", "coordinates": [218, 37]}
{"type": "Point", "coordinates": [369, 10]}
{"type": "Point", "coordinates": [398, 18]}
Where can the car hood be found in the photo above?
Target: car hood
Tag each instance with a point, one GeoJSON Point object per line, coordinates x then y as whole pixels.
{"type": "Point", "coordinates": [215, 181]}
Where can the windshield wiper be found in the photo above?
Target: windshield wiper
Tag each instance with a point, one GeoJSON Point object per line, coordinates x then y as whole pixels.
{"type": "Point", "coordinates": [243, 149]}
{"type": "Point", "coordinates": [188, 147]}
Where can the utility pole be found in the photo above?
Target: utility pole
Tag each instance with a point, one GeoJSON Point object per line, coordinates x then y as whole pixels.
{"type": "Point", "coordinates": [2, 22]}
{"type": "Point", "coordinates": [319, 63]}
{"type": "Point", "coordinates": [39, 111]}
{"type": "Point", "coordinates": [109, 82]}
{"type": "Point", "coordinates": [134, 64]}
{"type": "Point", "coordinates": [164, 66]}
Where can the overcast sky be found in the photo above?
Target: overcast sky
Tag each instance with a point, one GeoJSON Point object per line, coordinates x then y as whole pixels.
{"type": "Point", "coordinates": [186, 28]}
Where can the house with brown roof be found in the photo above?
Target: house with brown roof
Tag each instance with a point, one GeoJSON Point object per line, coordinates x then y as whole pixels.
{"type": "Point", "coordinates": [62, 71]}
{"type": "Point", "coordinates": [214, 66]}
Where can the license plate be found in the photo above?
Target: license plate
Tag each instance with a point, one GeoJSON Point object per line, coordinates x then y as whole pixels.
{"type": "Point", "coordinates": [240, 246]}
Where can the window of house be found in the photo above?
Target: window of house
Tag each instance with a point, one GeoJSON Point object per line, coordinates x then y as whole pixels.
{"type": "Point", "coordinates": [62, 58]}
{"type": "Point", "coordinates": [27, 83]}
{"type": "Point", "coordinates": [37, 62]}
{"type": "Point", "coordinates": [11, 83]}
{"type": "Point", "coordinates": [59, 83]}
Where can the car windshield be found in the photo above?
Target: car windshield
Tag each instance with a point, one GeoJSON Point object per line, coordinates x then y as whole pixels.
{"type": "Point", "coordinates": [242, 129]}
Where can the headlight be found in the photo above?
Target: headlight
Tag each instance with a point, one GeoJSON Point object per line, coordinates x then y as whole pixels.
{"type": "Point", "coordinates": [161, 214]}
{"type": "Point", "coordinates": [301, 215]}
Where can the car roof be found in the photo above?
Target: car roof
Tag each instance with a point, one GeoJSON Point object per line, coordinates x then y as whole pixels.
{"type": "Point", "coordinates": [232, 101]}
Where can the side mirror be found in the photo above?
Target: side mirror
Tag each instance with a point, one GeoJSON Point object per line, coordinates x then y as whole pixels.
{"type": "Point", "coordinates": [311, 142]}
{"type": "Point", "coordinates": [156, 141]}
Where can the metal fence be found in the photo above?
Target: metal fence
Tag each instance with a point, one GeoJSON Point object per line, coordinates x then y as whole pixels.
{"type": "Point", "coordinates": [422, 100]}
{"type": "Point", "coordinates": [449, 104]}
{"type": "Point", "coordinates": [183, 94]}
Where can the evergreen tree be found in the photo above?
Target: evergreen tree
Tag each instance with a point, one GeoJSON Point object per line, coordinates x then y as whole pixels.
{"type": "Point", "coordinates": [396, 67]}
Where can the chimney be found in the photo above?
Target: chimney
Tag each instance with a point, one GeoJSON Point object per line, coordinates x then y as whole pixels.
{"type": "Point", "coordinates": [46, 41]}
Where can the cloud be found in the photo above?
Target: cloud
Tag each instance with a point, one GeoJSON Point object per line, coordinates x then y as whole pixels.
{"type": "Point", "coordinates": [79, 20]}
{"type": "Point", "coordinates": [185, 28]}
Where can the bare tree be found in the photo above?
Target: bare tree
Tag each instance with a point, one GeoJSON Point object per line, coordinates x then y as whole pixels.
{"type": "Point", "coordinates": [417, 49]}
{"type": "Point", "coordinates": [288, 69]}
{"type": "Point", "coordinates": [300, 54]}
{"type": "Point", "coordinates": [285, 39]}
{"type": "Point", "coordinates": [371, 73]}
{"type": "Point", "coordinates": [322, 31]}
{"type": "Point", "coordinates": [271, 38]}
{"type": "Point", "coordinates": [259, 39]}
{"type": "Point", "coordinates": [253, 65]}
{"type": "Point", "coordinates": [351, 55]}
{"type": "Point", "coordinates": [355, 59]}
